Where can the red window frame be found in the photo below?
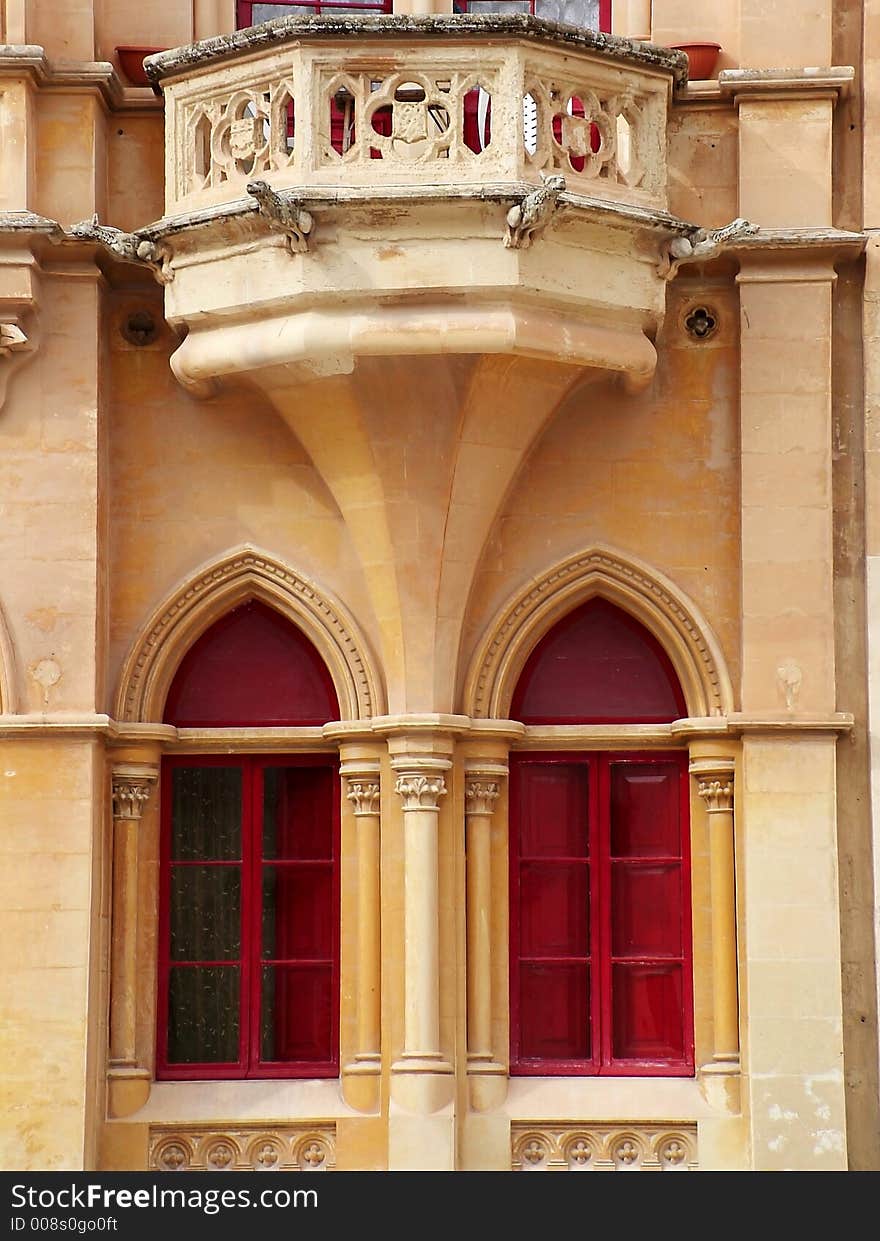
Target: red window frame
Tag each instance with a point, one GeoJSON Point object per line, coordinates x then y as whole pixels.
{"type": "Point", "coordinates": [244, 9]}
{"type": "Point", "coordinates": [599, 958]}
{"type": "Point", "coordinates": [249, 1063]}
{"type": "Point", "coordinates": [474, 6]}
{"type": "Point", "coordinates": [310, 8]}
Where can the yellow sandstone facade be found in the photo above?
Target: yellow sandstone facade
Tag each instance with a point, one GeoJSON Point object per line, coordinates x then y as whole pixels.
{"type": "Point", "coordinates": [424, 404]}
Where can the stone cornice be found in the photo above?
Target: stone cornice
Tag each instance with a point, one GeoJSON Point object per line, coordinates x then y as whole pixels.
{"type": "Point", "coordinates": [634, 52]}
{"type": "Point", "coordinates": [324, 198]}
{"type": "Point", "coordinates": [782, 84]}
{"type": "Point", "coordinates": [427, 726]}
{"type": "Point", "coordinates": [100, 76]}
{"type": "Point", "coordinates": [832, 244]}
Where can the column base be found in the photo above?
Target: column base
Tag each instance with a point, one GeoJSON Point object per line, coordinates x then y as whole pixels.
{"type": "Point", "coordinates": [128, 1089]}
{"type": "Point", "coordinates": [361, 1082]}
{"type": "Point", "coordinates": [720, 1083]}
{"type": "Point", "coordinates": [422, 1083]}
{"type": "Point", "coordinates": [487, 1083]}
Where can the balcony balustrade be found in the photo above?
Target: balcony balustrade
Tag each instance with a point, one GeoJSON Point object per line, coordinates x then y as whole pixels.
{"type": "Point", "coordinates": [390, 101]}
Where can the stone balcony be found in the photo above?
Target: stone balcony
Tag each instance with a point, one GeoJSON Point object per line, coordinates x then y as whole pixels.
{"type": "Point", "coordinates": [358, 227]}
{"type": "Point", "coordinates": [395, 148]}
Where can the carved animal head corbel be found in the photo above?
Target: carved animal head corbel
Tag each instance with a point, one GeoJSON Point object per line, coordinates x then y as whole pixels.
{"type": "Point", "coordinates": [17, 346]}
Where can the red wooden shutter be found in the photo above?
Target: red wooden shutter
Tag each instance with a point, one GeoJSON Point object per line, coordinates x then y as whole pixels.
{"type": "Point", "coordinates": [600, 970]}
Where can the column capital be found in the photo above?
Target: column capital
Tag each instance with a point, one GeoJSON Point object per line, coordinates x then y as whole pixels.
{"type": "Point", "coordinates": [132, 784]}
{"type": "Point", "coordinates": [480, 793]}
{"type": "Point", "coordinates": [714, 778]}
{"type": "Point", "coordinates": [363, 791]}
{"type": "Point", "coordinates": [420, 788]}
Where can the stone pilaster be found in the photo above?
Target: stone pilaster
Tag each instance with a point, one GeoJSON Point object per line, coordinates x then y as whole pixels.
{"type": "Point", "coordinates": [132, 786]}
{"type": "Point", "coordinates": [487, 1077]}
{"type": "Point", "coordinates": [361, 1075]}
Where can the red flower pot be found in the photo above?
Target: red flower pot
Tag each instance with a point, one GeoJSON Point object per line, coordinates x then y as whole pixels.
{"type": "Point", "coordinates": [702, 58]}
{"type": "Point", "coordinates": [131, 61]}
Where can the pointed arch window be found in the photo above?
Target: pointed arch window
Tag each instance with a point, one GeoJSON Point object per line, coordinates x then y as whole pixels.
{"type": "Point", "coordinates": [249, 873]}
{"type": "Point", "coordinates": [601, 972]}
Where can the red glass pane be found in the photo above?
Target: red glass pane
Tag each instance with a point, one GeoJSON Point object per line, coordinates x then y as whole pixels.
{"type": "Point", "coordinates": [648, 1020]}
{"type": "Point", "coordinates": [645, 910]}
{"type": "Point", "coordinates": [598, 665]}
{"type": "Point", "coordinates": [297, 812]}
{"type": "Point", "coordinates": [554, 909]}
{"type": "Point", "coordinates": [554, 1012]}
{"type": "Point", "coordinates": [251, 668]}
{"type": "Point", "coordinates": [554, 809]}
{"type": "Point", "coordinates": [297, 912]}
{"type": "Point", "coordinates": [296, 1018]}
{"type": "Point", "coordinates": [645, 812]}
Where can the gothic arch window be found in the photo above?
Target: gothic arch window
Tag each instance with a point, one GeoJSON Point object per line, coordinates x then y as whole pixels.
{"type": "Point", "coordinates": [601, 969]}
{"type": "Point", "coordinates": [249, 873]}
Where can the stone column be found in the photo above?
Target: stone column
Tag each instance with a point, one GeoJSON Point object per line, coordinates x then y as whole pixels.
{"type": "Point", "coordinates": [482, 788]}
{"type": "Point", "coordinates": [132, 784]}
{"type": "Point", "coordinates": [421, 1122]}
{"type": "Point", "coordinates": [420, 787]}
{"type": "Point", "coordinates": [714, 778]}
{"type": "Point", "coordinates": [362, 790]}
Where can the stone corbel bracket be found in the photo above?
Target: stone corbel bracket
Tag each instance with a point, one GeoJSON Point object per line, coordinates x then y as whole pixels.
{"type": "Point", "coordinates": [531, 215]}
{"type": "Point", "coordinates": [17, 346]}
{"type": "Point", "coordinates": [700, 246]}
{"type": "Point", "coordinates": [129, 247]}
{"type": "Point", "coordinates": [285, 213]}
{"type": "Point", "coordinates": [24, 235]}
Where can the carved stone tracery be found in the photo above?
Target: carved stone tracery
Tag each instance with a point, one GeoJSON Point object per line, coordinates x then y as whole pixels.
{"type": "Point", "coordinates": [576, 1147]}
{"type": "Point", "coordinates": [309, 1147]}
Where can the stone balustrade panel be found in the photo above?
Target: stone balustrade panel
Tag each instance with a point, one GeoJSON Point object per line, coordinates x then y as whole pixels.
{"type": "Point", "coordinates": [381, 115]}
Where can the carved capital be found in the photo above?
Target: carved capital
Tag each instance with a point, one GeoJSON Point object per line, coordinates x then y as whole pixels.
{"type": "Point", "coordinates": [363, 795]}
{"type": "Point", "coordinates": [132, 786]}
{"type": "Point", "coordinates": [716, 793]}
{"type": "Point", "coordinates": [420, 791]}
{"type": "Point", "coordinates": [480, 796]}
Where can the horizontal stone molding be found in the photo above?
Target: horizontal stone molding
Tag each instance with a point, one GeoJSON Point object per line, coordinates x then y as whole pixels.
{"type": "Point", "coordinates": [564, 1147]}
{"type": "Point", "coordinates": [309, 1147]}
{"type": "Point", "coordinates": [213, 590]}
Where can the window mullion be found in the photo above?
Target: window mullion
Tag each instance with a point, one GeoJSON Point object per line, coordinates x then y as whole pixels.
{"type": "Point", "coordinates": [250, 954]}
{"type": "Point", "coordinates": [601, 837]}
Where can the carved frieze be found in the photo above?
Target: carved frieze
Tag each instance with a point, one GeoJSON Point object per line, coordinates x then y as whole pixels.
{"type": "Point", "coordinates": [256, 1148]}
{"type": "Point", "coordinates": [603, 1148]}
